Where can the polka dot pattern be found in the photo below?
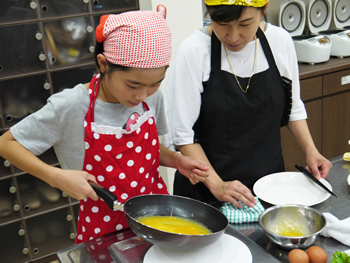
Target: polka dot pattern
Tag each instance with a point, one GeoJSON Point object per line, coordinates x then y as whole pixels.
{"type": "Point", "coordinates": [126, 165]}
{"type": "Point", "coordinates": [100, 178]}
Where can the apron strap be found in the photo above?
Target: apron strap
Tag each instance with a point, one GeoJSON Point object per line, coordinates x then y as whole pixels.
{"type": "Point", "coordinates": [285, 83]}
{"type": "Point", "coordinates": [215, 49]}
{"type": "Point", "coordinates": [145, 105]}
{"type": "Point", "coordinates": [93, 91]}
{"type": "Point", "coordinates": [267, 50]}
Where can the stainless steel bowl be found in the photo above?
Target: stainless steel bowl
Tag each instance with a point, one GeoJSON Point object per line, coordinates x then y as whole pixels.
{"type": "Point", "coordinates": [277, 220]}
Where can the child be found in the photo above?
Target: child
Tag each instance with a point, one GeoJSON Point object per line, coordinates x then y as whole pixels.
{"type": "Point", "coordinates": [105, 131]}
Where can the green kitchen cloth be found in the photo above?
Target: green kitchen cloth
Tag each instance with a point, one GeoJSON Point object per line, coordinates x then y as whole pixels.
{"type": "Point", "coordinates": [245, 214]}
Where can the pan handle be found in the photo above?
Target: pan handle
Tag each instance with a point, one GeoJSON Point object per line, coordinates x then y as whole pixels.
{"type": "Point", "coordinates": [108, 197]}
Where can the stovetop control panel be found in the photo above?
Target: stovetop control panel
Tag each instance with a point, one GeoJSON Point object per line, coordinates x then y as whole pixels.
{"type": "Point", "coordinates": [131, 250]}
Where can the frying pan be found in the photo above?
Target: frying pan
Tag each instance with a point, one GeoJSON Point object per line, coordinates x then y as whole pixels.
{"type": "Point", "coordinates": [168, 205]}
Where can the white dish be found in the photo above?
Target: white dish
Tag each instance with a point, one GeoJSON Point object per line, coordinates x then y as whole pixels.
{"type": "Point", "coordinates": [226, 249]}
{"type": "Point", "coordinates": [347, 252]}
{"type": "Point", "coordinates": [290, 188]}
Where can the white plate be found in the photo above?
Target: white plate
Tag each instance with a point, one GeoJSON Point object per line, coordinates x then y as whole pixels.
{"type": "Point", "coordinates": [225, 249]}
{"type": "Point", "coordinates": [290, 188]}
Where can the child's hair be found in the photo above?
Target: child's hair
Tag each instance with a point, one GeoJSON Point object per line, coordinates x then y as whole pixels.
{"type": "Point", "coordinates": [228, 13]}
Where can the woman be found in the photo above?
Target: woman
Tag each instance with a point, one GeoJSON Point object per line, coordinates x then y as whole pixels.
{"type": "Point", "coordinates": [225, 102]}
{"type": "Point", "coordinates": [105, 131]}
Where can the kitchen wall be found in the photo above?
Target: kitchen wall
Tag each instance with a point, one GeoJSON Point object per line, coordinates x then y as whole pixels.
{"type": "Point", "coordinates": [273, 11]}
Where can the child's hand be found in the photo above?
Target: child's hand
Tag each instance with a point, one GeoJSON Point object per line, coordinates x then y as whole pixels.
{"type": "Point", "coordinates": [195, 170]}
{"type": "Point", "coordinates": [75, 184]}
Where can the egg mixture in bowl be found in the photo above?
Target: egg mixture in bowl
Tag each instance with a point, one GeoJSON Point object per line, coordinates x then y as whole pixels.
{"type": "Point", "coordinates": [292, 226]}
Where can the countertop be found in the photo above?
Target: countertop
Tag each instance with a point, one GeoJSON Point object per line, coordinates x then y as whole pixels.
{"type": "Point", "coordinates": [263, 250]}
{"type": "Point", "coordinates": [332, 65]}
{"type": "Point", "coordinates": [97, 250]}
{"type": "Point", "coordinates": [339, 207]}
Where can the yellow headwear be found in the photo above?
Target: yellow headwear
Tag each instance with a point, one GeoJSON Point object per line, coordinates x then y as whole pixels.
{"type": "Point", "coordinates": [253, 3]}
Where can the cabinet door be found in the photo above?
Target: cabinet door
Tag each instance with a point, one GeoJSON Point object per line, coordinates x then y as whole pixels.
{"type": "Point", "coordinates": [21, 52]}
{"type": "Point", "coordinates": [37, 196]}
{"type": "Point", "coordinates": [291, 150]}
{"type": "Point", "coordinates": [5, 167]}
{"type": "Point", "coordinates": [61, 8]}
{"type": "Point", "coordinates": [107, 5]}
{"type": "Point", "coordinates": [12, 243]}
{"type": "Point", "coordinates": [50, 232]}
{"type": "Point", "coordinates": [311, 88]}
{"type": "Point", "coordinates": [9, 207]}
{"type": "Point", "coordinates": [69, 41]}
{"type": "Point", "coordinates": [336, 125]}
{"type": "Point", "coordinates": [69, 78]}
{"type": "Point", "coordinates": [16, 11]}
{"type": "Point", "coordinates": [22, 96]}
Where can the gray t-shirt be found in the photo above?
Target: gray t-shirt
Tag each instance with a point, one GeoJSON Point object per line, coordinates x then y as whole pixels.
{"type": "Point", "coordinates": [60, 123]}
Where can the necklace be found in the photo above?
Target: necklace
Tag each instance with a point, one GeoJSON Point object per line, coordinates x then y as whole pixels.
{"type": "Point", "coordinates": [244, 90]}
{"type": "Point", "coordinates": [243, 61]}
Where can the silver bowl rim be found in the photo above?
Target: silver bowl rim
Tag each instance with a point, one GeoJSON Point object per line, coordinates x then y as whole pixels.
{"type": "Point", "coordinates": [291, 205]}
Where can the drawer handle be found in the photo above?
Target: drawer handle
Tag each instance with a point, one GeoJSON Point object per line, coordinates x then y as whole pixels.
{"type": "Point", "coordinates": [345, 80]}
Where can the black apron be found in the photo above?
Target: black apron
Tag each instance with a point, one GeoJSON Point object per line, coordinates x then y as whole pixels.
{"type": "Point", "coordinates": [239, 132]}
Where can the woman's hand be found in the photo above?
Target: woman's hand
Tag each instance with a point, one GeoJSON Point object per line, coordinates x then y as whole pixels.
{"type": "Point", "coordinates": [233, 191]}
{"type": "Point", "coordinates": [318, 165]}
{"type": "Point", "coordinates": [195, 170]}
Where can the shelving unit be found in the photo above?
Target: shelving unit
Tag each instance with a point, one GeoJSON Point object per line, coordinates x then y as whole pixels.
{"type": "Point", "coordinates": [46, 46]}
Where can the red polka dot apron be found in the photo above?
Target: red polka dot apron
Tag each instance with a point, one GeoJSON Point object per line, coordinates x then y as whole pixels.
{"type": "Point", "coordinates": [125, 161]}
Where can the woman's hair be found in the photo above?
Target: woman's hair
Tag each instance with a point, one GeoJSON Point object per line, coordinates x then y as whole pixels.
{"type": "Point", "coordinates": [112, 67]}
{"type": "Point", "coordinates": [228, 13]}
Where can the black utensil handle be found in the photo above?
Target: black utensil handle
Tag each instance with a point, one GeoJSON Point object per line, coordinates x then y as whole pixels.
{"type": "Point", "coordinates": [308, 174]}
{"type": "Point", "coordinates": [105, 194]}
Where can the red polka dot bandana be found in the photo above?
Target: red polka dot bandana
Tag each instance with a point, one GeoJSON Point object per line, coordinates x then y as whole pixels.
{"type": "Point", "coordinates": [139, 39]}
